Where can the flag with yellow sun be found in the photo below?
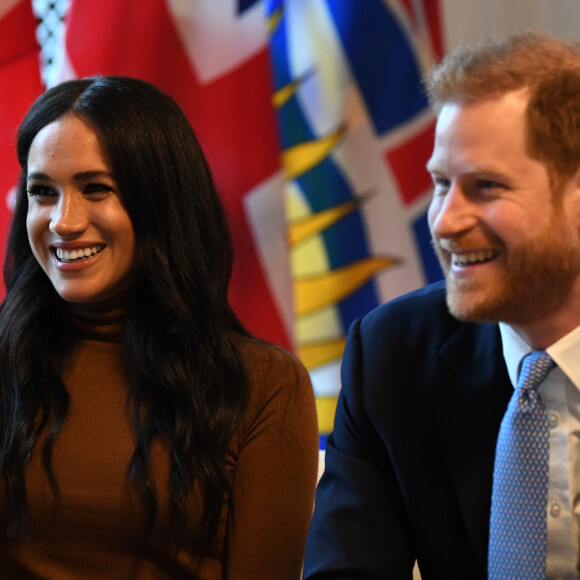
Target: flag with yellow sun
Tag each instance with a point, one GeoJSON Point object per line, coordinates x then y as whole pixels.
{"type": "Point", "coordinates": [356, 132]}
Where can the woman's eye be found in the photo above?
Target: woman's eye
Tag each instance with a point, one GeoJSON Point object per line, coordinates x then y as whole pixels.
{"type": "Point", "coordinates": [37, 190]}
{"type": "Point", "coordinates": [97, 188]}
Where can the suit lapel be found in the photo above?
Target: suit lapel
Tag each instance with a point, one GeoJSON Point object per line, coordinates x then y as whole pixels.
{"type": "Point", "coordinates": [469, 413]}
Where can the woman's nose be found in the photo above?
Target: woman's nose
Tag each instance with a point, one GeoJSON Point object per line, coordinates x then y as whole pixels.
{"type": "Point", "coordinates": [69, 216]}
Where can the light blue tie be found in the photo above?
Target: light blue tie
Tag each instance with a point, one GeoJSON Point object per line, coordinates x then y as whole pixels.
{"type": "Point", "coordinates": [518, 527]}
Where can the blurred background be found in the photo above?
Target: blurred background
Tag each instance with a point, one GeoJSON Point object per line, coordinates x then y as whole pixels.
{"type": "Point", "coordinates": [314, 121]}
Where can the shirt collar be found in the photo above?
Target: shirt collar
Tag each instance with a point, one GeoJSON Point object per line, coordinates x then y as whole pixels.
{"type": "Point", "coordinates": [515, 348]}
{"type": "Point", "coordinates": [565, 353]}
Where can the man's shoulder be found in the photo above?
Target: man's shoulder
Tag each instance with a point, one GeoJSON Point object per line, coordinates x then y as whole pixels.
{"type": "Point", "coordinates": [421, 319]}
{"type": "Point", "coordinates": [424, 306]}
{"type": "Point", "coordinates": [426, 296]}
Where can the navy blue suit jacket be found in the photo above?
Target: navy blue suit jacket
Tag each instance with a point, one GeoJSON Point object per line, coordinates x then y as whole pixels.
{"type": "Point", "coordinates": [409, 464]}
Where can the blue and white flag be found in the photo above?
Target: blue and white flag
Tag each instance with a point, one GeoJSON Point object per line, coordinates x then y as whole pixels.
{"type": "Point", "coordinates": [356, 132]}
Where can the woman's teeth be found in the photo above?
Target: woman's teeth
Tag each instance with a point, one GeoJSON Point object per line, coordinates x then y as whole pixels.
{"type": "Point", "coordinates": [77, 254]}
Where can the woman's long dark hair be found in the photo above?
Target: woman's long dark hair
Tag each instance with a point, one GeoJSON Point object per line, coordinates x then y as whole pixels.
{"type": "Point", "coordinates": [189, 386]}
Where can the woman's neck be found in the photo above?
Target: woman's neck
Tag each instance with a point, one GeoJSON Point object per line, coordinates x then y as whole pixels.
{"type": "Point", "coordinates": [104, 321]}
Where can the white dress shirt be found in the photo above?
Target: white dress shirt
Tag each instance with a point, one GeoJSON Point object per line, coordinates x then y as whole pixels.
{"type": "Point", "coordinates": [560, 392]}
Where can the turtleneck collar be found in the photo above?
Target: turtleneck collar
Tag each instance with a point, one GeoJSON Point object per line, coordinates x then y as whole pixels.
{"type": "Point", "coordinates": [103, 321]}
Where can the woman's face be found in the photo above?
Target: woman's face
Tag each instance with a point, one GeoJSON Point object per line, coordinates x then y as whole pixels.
{"type": "Point", "coordinates": [78, 228]}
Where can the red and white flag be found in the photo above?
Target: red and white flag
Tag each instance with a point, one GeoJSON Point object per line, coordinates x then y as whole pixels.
{"type": "Point", "coordinates": [20, 84]}
{"type": "Point", "coordinates": [212, 57]}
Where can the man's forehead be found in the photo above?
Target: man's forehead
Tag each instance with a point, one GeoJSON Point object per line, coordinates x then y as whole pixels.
{"type": "Point", "coordinates": [480, 138]}
{"type": "Point", "coordinates": [517, 97]}
{"type": "Point", "coordinates": [485, 121]}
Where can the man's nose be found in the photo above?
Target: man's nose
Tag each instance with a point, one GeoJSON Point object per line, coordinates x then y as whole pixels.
{"type": "Point", "coordinates": [452, 213]}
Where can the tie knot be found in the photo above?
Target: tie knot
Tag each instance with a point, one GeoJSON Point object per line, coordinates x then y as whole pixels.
{"type": "Point", "coordinates": [535, 369]}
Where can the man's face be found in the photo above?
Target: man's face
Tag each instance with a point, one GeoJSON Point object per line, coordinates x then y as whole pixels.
{"type": "Point", "coordinates": [510, 251]}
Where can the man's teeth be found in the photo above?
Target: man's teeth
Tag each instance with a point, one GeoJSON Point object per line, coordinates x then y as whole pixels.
{"type": "Point", "coordinates": [77, 254]}
{"type": "Point", "coordinates": [473, 257]}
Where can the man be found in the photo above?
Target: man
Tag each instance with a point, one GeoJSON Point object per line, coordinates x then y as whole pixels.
{"type": "Point", "coordinates": [427, 378]}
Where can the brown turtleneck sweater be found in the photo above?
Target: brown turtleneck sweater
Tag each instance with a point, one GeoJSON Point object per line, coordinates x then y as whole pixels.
{"type": "Point", "coordinates": [96, 533]}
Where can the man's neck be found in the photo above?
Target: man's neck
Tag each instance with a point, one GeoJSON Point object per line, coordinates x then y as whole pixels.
{"type": "Point", "coordinates": [543, 333]}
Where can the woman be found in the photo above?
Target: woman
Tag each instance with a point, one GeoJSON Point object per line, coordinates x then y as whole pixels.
{"type": "Point", "coordinates": [144, 434]}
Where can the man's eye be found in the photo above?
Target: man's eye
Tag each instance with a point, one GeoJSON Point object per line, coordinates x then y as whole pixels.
{"type": "Point", "coordinates": [488, 184]}
{"type": "Point", "coordinates": [441, 182]}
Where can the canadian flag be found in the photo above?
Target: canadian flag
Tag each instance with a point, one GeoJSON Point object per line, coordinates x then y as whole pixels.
{"type": "Point", "coordinates": [20, 84]}
{"type": "Point", "coordinates": [212, 56]}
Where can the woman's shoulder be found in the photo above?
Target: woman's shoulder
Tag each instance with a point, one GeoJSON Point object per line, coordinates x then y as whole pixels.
{"type": "Point", "coordinates": [281, 393]}
{"type": "Point", "coordinates": [272, 368]}
{"type": "Point", "coordinates": [258, 354]}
